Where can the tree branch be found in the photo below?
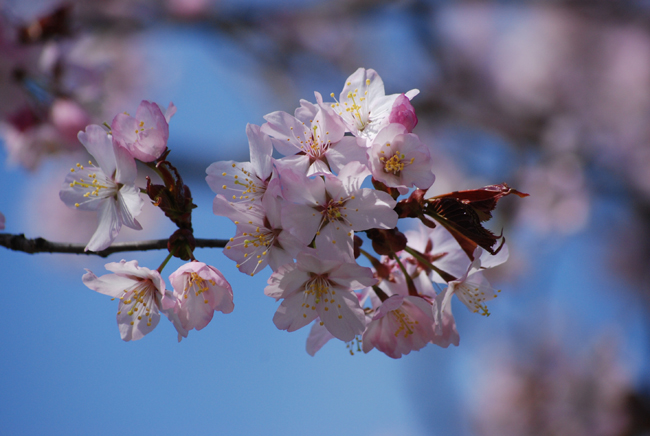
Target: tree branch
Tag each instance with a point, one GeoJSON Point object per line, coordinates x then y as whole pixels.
{"type": "Point", "coordinates": [40, 245]}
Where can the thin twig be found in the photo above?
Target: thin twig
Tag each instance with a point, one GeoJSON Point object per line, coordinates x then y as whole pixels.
{"type": "Point", "coordinates": [40, 245]}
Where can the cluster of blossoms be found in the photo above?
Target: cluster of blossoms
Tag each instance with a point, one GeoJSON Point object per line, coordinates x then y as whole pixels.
{"type": "Point", "coordinates": [109, 188]}
{"type": "Point", "coordinates": [302, 215]}
{"type": "Point", "coordinates": [299, 215]}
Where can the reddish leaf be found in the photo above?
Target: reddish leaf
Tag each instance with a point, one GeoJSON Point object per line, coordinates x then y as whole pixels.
{"type": "Point", "coordinates": [482, 200]}
{"type": "Point", "coordinates": [464, 224]}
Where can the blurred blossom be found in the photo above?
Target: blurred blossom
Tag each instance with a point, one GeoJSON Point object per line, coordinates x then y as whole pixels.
{"type": "Point", "coordinates": [188, 8]}
{"type": "Point", "coordinates": [555, 393]}
{"type": "Point", "coordinates": [559, 200]}
{"type": "Point", "coordinates": [54, 82]}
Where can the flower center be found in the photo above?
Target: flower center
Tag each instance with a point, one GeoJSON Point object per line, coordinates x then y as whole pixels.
{"type": "Point", "coordinates": [355, 109]}
{"type": "Point", "coordinates": [396, 163]}
{"type": "Point", "coordinates": [474, 298]}
{"type": "Point", "coordinates": [93, 186]}
{"type": "Point", "coordinates": [312, 143]}
{"type": "Point", "coordinates": [198, 285]}
{"type": "Point", "coordinates": [141, 128]}
{"type": "Point", "coordinates": [258, 242]}
{"type": "Point", "coordinates": [137, 301]}
{"type": "Point", "coordinates": [250, 187]}
{"type": "Point", "coordinates": [404, 323]}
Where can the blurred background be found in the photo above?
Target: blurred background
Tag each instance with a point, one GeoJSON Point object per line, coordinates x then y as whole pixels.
{"type": "Point", "coordinates": [551, 97]}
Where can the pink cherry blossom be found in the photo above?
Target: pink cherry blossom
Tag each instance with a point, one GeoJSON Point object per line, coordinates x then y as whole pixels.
{"type": "Point", "coordinates": [146, 134]}
{"type": "Point", "coordinates": [260, 238]}
{"type": "Point", "coordinates": [401, 324]}
{"type": "Point", "coordinates": [398, 159]}
{"type": "Point", "coordinates": [315, 146]}
{"type": "Point", "coordinates": [200, 290]}
{"type": "Point", "coordinates": [319, 335]}
{"type": "Point", "coordinates": [142, 296]}
{"type": "Point", "coordinates": [108, 189]}
{"type": "Point", "coordinates": [316, 287]}
{"type": "Point", "coordinates": [332, 208]}
{"type": "Point", "coordinates": [363, 104]}
{"type": "Point", "coordinates": [244, 181]}
{"type": "Point", "coordinates": [472, 289]}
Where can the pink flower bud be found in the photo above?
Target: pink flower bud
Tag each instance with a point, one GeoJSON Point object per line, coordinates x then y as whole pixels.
{"type": "Point", "coordinates": [403, 113]}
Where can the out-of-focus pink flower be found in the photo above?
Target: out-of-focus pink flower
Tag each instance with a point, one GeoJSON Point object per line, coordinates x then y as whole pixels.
{"type": "Point", "coordinates": [68, 117]}
{"type": "Point", "coordinates": [200, 290]}
{"type": "Point", "coordinates": [146, 134]}
{"type": "Point", "coordinates": [582, 393]}
{"type": "Point", "coordinates": [142, 296]}
{"type": "Point", "coordinates": [315, 287]}
{"type": "Point", "coordinates": [28, 136]}
{"type": "Point", "coordinates": [188, 8]}
{"type": "Point", "coordinates": [109, 189]}
{"type": "Point", "coordinates": [403, 113]}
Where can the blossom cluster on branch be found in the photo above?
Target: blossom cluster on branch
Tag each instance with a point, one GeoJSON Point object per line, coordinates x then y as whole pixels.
{"type": "Point", "coordinates": [302, 215]}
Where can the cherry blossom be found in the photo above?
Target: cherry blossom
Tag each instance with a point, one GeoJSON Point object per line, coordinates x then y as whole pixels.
{"type": "Point", "coordinates": [398, 159]}
{"type": "Point", "coordinates": [401, 324]}
{"type": "Point", "coordinates": [315, 146]}
{"type": "Point", "coordinates": [472, 289]}
{"type": "Point", "coordinates": [332, 208]}
{"type": "Point", "coordinates": [200, 290]}
{"type": "Point", "coordinates": [317, 287]}
{"type": "Point", "coordinates": [363, 104]}
{"type": "Point", "coordinates": [108, 189]}
{"type": "Point", "coordinates": [260, 239]}
{"type": "Point", "coordinates": [319, 335]}
{"type": "Point", "coordinates": [142, 296]}
{"type": "Point", "coordinates": [146, 134]}
{"type": "Point", "coordinates": [401, 321]}
{"type": "Point", "coordinates": [439, 248]}
{"type": "Point", "coordinates": [244, 181]}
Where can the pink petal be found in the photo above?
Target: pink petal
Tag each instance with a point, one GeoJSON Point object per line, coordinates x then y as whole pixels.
{"type": "Point", "coordinates": [100, 145]}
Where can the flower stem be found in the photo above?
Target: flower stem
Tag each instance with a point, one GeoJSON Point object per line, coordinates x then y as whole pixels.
{"type": "Point", "coordinates": [380, 294]}
{"type": "Point", "coordinates": [409, 279]}
{"type": "Point", "coordinates": [369, 256]}
{"type": "Point", "coordinates": [420, 257]}
{"type": "Point", "coordinates": [162, 265]}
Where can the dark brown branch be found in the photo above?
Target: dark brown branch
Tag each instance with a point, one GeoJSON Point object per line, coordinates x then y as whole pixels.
{"type": "Point", "coordinates": [40, 245]}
